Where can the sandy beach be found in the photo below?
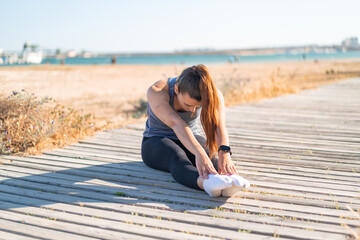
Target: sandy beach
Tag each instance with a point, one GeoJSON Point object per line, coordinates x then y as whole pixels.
{"type": "Point", "coordinates": [109, 91]}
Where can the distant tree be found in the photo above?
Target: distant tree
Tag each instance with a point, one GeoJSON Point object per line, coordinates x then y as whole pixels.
{"type": "Point", "coordinates": [26, 45]}
{"type": "Point", "coordinates": [34, 47]}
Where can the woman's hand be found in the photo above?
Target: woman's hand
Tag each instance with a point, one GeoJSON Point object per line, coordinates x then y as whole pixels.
{"type": "Point", "coordinates": [204, 166]}
{"type": "Point", "coordinates": [226, 166]}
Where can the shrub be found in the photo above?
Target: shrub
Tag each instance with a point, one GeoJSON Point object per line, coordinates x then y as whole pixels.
{"type": "Point", "coordinates": [28, 125]}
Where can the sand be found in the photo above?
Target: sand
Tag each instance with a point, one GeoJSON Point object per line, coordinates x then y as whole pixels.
{"type": "Point", "coordinates": [110, 91]}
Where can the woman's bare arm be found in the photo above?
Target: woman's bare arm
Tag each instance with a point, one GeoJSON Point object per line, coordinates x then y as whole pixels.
{"type": "Point", "coordinates": [158, 99]}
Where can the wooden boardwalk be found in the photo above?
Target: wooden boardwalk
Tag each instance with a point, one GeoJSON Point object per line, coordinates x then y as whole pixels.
{"type": "Point", "coordinates": [301, 154]}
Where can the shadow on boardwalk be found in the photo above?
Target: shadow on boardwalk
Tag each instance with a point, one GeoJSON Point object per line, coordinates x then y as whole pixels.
{"type": "Point", "coordinates": [126, 183]}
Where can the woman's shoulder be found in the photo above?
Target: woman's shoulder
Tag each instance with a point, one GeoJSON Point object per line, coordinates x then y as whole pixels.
{"type": "Point", "coordinates": [161, 85]}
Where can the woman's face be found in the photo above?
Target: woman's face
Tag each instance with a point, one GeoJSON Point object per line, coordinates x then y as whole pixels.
{"type": "Point", "coordinates": [187, 103]}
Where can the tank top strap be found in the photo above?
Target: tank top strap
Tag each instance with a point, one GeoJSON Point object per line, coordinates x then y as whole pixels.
{"type": "Point", "coordinates": [171, 86]}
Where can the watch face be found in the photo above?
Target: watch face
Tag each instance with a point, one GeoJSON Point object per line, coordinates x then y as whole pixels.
{"type": "Point", "coordinates": [225, 148]}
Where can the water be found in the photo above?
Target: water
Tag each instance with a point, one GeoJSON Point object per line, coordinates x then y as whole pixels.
{"type": "Point", "coordinates": [204, 59]}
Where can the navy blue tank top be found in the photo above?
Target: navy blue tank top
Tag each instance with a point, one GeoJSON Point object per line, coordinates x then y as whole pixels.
{"type": "Point", "coordinates": [155, 127]}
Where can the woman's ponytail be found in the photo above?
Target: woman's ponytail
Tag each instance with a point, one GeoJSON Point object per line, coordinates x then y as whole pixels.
{"type": "Point", "coordinates": [210, 105]}
{"type": "Point", "coordinates": [197, 82]}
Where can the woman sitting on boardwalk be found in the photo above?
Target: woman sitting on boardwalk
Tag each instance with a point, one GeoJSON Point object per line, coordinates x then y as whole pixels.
{"type": "Point", "coordinates": [173, 143]}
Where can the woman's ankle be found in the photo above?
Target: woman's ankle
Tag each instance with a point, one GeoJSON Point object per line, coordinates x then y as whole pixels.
{"type": "Point", "coordinates": [200, 182]}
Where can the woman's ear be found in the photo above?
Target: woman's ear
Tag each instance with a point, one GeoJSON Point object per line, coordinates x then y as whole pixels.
{"type": "Point", "coordinates": [176, 89]}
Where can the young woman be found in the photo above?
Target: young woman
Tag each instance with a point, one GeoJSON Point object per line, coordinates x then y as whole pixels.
{"type": "Point", "coordinates": [172, 141]}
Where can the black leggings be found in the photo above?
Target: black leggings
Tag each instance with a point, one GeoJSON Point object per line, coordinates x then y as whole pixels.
{"type": "Point", "coordinates": [172, 156]}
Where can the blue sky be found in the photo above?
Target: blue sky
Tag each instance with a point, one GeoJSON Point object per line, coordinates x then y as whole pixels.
{"type": "Point", "coordinates": [168, 25]}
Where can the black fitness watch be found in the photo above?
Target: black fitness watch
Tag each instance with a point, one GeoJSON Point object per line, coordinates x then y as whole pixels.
{"type": "Point", "coordinates": [225, 149]}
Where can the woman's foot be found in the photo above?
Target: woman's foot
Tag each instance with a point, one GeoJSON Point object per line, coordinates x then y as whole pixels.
{"type": "Point", "coordinates": [238, 183]}
{"type": "Point", "coordinates": [215, 183]}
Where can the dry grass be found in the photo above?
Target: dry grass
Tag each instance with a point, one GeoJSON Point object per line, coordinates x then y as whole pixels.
{"type": "Point", "coordinates": [29, 125]}
{"type": "Point", "coordinates": [240, 89]}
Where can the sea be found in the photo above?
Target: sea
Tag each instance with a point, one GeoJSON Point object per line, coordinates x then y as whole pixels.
{"type": "Point", "coordinates": [204, 59]}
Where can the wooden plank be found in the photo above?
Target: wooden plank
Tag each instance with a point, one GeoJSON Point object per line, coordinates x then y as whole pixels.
{"type": "Point", "coordinates": [128, 178]}
{"type": "Point", "coordinates": [324, 164]}
{"type": "Point", "coordinates": [103, 229]}
{"type": "Point", "coordinates": [10, 230]}
{"type": "Point", "coordinates": [209, 220]}
{"type": "Point", "coordinates": [105, 171]}
{"type": "Point", "coordinates": [109, 146]}
{"type": "Point", "coordinates": [310, 235]}
{"type": "Point", "coordinates": [243, 162]}
{"type": "Point", "coordinates": [280, 173]}
{"type": "Point", "coordinates": [99, 218]}
{"type": "Point", "coordinates": [334, 201]}
{"type": "Point", "coordinates": [306, 198]}
{"type": "Point", "coordinates": [83, 163]}
{"type": "Point", "coordinates": [77, 155]}
{"type": "Point", "coordinates": [57, 199]}
{"type": "Point", "coordinates": [150, 176]}
{"type": "Point", "coordinates": [180, 197]}
{"type": "Point", "coordinates": [347, 176]}
{"type": "Point", "coordinates": [245, 122]}
{"type": "Point", "coordinates": [329, 165]}
{"type": "Point", "coordinates": [39, 229]}
{"type": "Point", "coordinates": [164, 173]}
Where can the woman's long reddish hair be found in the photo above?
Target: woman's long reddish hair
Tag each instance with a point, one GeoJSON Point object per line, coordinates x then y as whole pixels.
{"type": "Point", "coordinates": [197, 82]}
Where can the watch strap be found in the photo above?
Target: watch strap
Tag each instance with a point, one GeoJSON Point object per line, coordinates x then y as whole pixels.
{"type": "Point", "coordinates": [225, 149]}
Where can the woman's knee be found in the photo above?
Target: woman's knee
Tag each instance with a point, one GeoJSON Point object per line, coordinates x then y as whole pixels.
{"type": "Point", "coordinates": [159, 153]}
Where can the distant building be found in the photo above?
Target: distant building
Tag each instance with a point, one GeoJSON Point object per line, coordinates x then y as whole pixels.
{"type": "Point", "coordinates": [1, 51]}
{"type": "Point", "coordinates": [30, 54]}
{"type": "Point", "coordinates": [85, 54]}
{"type": "Point", "coordinates": [350, 43]}
{"type": "Point", "coordinates": [71, 53]}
